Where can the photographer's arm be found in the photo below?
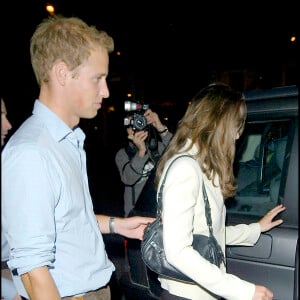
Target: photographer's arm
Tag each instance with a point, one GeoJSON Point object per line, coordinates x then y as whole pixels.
{"type": "Point", "coordinates": [130, 170]}
{"type": "Point", "coordinates": [154, 120]}
{"type": "Point", "coordinates": [138, 138]}
{"type": "Point", "coordinates": [166, 137]}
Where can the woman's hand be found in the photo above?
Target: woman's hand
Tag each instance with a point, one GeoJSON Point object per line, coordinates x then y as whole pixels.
{"type": "Point", "coordinates": [262, 293]}
{"type": "Point", "coordinates": [266, 222]}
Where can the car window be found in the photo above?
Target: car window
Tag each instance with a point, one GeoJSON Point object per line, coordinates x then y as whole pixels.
{"type": "Point", "coordinates": [260, 160]}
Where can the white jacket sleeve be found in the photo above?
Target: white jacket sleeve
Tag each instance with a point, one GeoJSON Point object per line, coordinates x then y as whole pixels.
{"type": "Point", "coordinates": [242, 234]}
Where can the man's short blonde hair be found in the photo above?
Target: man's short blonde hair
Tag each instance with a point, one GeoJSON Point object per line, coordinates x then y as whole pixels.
{"type": "Point", "coordinates": [69, 40]}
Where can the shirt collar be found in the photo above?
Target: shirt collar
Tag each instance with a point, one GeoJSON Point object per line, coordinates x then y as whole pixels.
{"type": "Point", "coordinates": [56, 126]}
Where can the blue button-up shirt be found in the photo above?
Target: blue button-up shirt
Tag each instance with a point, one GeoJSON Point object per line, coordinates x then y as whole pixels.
{"type": "Point", "coordinates": [48, 216]}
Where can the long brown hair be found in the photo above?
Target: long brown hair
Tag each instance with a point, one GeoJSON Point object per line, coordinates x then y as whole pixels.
{"type": "Point", "coordinates": [212, 121]}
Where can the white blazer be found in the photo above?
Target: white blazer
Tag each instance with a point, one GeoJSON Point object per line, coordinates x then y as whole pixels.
{"type": "Point", "coordinates": [184, 214]}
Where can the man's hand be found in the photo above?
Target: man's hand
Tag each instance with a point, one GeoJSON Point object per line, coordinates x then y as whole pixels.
{"type": "Point", "coordinates": [132, 227]}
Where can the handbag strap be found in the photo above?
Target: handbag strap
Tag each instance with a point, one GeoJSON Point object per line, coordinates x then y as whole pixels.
{"type": "Point", "coordinates": [207, 206]}
{"type": "Point", "coordinates": [207, 209]}
{"type": "Point", "coordinates": [159, 195]}
{"type": "Point", "coordinates": [209, 222]}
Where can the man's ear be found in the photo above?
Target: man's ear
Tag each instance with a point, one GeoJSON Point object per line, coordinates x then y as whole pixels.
{"type": "Point", "coordinates": [61, 71]}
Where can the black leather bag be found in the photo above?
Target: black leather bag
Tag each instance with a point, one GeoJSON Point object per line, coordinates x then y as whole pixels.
{"type": "Point", "coordinates": [152, 247]}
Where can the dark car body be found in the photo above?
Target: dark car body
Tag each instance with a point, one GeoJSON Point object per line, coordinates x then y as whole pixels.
{"type": "Point", "coordinates": [266, 169]}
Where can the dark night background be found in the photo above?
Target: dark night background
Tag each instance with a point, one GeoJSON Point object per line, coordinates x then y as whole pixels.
{"type": "Point", "coordinates": [168, 52]}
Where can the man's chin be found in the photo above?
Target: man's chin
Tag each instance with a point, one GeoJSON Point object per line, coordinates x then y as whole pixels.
{"type": "Point", "coordinates": [90, 115]}
{"type": "Point", "coordinates": [98, 106]}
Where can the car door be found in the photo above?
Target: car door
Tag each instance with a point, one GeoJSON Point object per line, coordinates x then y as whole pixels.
{"type": "Point", "coordinates": [266, 168]}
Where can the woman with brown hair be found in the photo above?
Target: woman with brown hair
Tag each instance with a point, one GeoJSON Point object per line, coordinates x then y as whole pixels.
{"type": "Point", "coordinates": [207, 132]}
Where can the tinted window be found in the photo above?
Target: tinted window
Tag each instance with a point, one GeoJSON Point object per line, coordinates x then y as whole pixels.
{"type": "Point", "coordinates": [260, 159]}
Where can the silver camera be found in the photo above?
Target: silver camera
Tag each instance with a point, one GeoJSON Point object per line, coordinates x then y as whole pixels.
{"type": "Point", "coordinates": [137, 119]}
{"type": "Point", "coordinates": [132, 106]}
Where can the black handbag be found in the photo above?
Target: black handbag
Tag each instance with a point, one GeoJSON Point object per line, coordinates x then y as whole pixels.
{"type": "Point", "coordinates": [152, 247]}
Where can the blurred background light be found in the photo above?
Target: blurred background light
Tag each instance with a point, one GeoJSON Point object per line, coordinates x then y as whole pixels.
{"type": "Point", "coordinates": [50, 8]}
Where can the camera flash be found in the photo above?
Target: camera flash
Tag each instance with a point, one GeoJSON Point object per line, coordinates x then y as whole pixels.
{"type": "Point", "coordinates": [130, 106]}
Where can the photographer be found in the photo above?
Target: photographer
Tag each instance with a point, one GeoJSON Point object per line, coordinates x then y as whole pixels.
{"type": "Point", "coordinates": [137, 159]}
